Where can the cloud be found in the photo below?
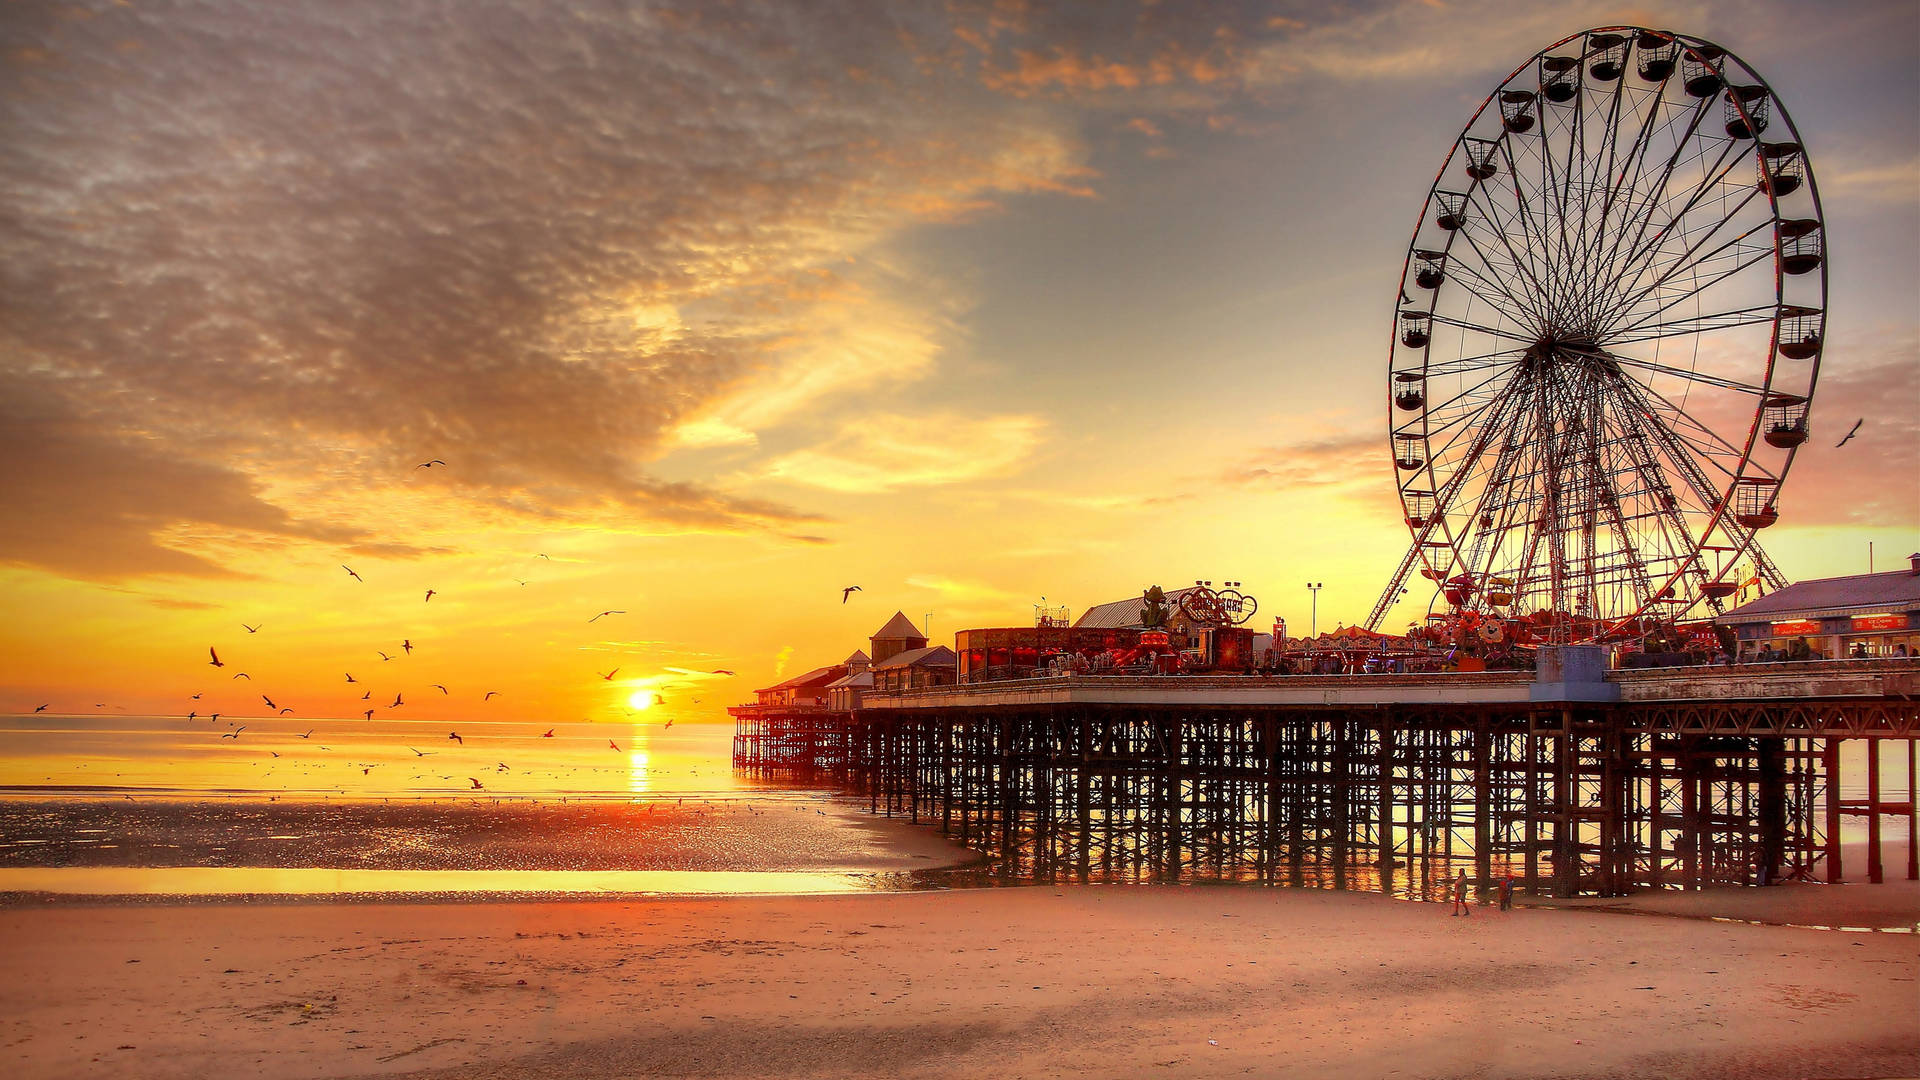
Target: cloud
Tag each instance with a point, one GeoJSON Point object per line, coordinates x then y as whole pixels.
{"type": "Point", "coordinates": [1871, 480]}
{"type": "Point", "coordinates": [884, 452]}
{"type": "Point", "coordinates": [294, 252]}
{"type": "Point", "coordinates": [1340, 461]}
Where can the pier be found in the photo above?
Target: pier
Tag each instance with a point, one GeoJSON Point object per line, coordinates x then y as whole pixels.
{"type": "Point", "coordinates": [1678, 777]}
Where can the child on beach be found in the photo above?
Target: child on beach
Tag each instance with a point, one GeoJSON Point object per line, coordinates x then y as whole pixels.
{"type": "Point", "coordinates": [1506, 892]}
{"type": "Point", "coordinates": [1460, 906]}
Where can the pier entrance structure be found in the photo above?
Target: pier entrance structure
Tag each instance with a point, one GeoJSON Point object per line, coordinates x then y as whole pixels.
{"type": "Point", "coordinates": [1679, 777]}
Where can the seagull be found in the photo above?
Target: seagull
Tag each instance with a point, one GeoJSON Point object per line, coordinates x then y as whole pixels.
{"type": "Point", "coordinates": [269, 701]}
{"type": "Point", "coordinates": [609, 675]}
{"type": "Point", "coordinates": [517, 580]}
{"type": "Point", "coordinates": [215, 662]}
{"type": "Point", "coordinates": [396, 702]}
{"type": "Point", "coordinates": [669, 724]}
{"type": "Point", "coordinates": [407, 645]}
{"type": "Point", "coordinates": [350, 677]}
{"type": "Point", "coordinates": [489, 696]}
{"type": "Point", "coordinates": [368, 696]}
{"type": "Point", "coordinates": [607, 612]}
{"type": "Point", "coordinates": [284, 712]}
{"type": "Point", "coordinates": [241, 675]}
{"type": "Point", "coordinates": [1850, 431]}
{"type": "Point", "coordinates": [353, 575]}
{"type": "Point", "coordinates": [543, 555]}
{"type": "Point", "coordinates": [250, 629]}
{"type": "Point", "coordinates": [190, 716]}
{"type": "Point", "coordinates": [548, 735]}
{"type": "Point", "coordinates": [308, 735]}
{"type": "Point", "coordinates": [502, 767]}
{"type": "Point", "coordinates": [429, 595]}
{"type": "Point", "coordinates": [429, 464]}
{"type": "Point", "coordinates": [368, 714]}
{"type": "Point", "coordinates": [848, 591]}
{"type": "Point", "coordinates": [438, 687]}
{"type": "Point", "coordinates": [720, 671]}
{"type": "Point", "coordinates": [477, 785]}
{"type": "Point", "coordinates": [275, 753]}
{"type": "Point", "coordinates": [215, 718]}
{"type": "Point", "coordinates": [383, 656]}
{"type": "Point", "coordinates": [366, 770]}
{"type": "Point", "coordinates": [235, 733]}
{"type": "Point", "coordinates": [420, 753]}
{"type": "Point", "coordinates": [454, 736]}
{"type": "Point", "coordinates": [612, 744]}
{"type": "Point", "coordinates": [196, 697]}
{"type": "Point", "coordinates": [43, 708]}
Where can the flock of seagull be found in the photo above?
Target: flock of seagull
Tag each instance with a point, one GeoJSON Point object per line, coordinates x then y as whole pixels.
{"type": "Point", "coordinates": [407, 648]}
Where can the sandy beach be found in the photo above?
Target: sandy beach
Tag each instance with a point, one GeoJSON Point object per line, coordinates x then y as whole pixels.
{"type": "Point", "coordinates": [1034, 981]}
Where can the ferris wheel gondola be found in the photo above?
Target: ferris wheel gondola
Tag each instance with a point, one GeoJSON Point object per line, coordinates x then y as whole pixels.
{"type": "Point", "coordinates": [1612, 314]}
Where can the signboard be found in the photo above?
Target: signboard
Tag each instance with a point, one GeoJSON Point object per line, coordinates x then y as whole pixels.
{"type": "Point", "coordinates": [1880, 622]}
{"type": "Point", "coordinates": [1796, 628]}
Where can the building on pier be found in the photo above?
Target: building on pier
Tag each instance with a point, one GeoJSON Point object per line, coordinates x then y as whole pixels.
{"type": "Point", "coordinates": [1859, 616]}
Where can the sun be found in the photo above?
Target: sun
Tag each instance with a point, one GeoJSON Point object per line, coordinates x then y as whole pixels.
{"type": "Point", "coordinates": [641, 699]}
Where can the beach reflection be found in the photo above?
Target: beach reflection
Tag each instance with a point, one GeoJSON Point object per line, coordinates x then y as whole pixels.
{"type": "Point", "coordinates": [204, 881]}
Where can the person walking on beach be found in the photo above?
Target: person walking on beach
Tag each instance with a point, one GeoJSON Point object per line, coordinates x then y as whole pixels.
{"type": "Point", "coordinates": [1460, 895]}
{"type": "Point", "coordinates": [1506, 892]}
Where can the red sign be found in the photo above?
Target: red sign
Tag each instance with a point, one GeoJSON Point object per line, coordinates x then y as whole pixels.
{"type": "Point", "coordinates": [1790, 629]}
{"type": "Point", "coordinates": [1879, 622]}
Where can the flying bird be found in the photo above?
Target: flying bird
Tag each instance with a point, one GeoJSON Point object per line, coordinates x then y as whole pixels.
{"type": "Point", "coordinates": [607, 612]}
{"type": "Point", "coordinates": [1850, 431]}
{"type": "Point", "coordinates": [420, 753]}
{"type": "Point", "coordinates": [193, 716]}
{"type": "Point", "coordinates": [429, 464]}
{"type": "Point", "coordinates": [438, 687]}
{"type": "Point", "coordinates": [429, 595]}
{"type": "Point", "coordinates": [720, 671]}
{"type": "Point", "coordinates": [214, 719]}
{"type": "Point", "coordinates": [308, 735]}
{"type": "Point", "coordinates": [215, 662]}
{"type": "Point", "coordinates": [519, 581]}
{"type": "Point", "coordinates": [454, 736]}
{"type": "Point", "coordinates": [406, 644]}
{"type": "Point", "coordinates": [613, 744]}
{"type": "Point", "coordinates": [609, 675]}
{"type": "Point", "coordinates": [353, 575]}
{"type": "Point", "coordinates": [235, 733]}
{"type": "Point", "coordinates": [269, 701]}
{"type": "Point", "coordinates": [548, 735]}
{"type": "Point", "coordinates": [502, 767]}
{"type": "Point", "coordinates": [396, 701]}
{"type": "Point", "coordinates": [489, 696]}
{"type": "Point", "coordinates": [43, 708]}
{"type": "Point", "coordinates": [350, 677]}
{"type": "Point", "coordinates": [284, 712]}
{"type": "Point", "coordinates": [368, 696]}
{"type": "Point", "coordinates": [383, 656]}
{"type": "Point", "coordinates": [250, 629]}
{"type": "Point", "coordinates": [477, 785]}
{"type": "Point", "coordinates": [848, 591]}
{"type": "Point", "coordinates": [368, 714]}
{"type": "Point", "coordinates": [242, 675]}
{"type": "Point", "coordinates": [196, 697]}
{"type": "Point", "coordinates": [543, 555]}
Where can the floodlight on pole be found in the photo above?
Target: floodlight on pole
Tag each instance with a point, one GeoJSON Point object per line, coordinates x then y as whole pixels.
{"type": "Point", "coordinates": [1313, 623]}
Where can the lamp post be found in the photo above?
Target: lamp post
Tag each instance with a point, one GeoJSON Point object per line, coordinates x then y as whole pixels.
{"type": "Point", "coordinates": [1313, 623]}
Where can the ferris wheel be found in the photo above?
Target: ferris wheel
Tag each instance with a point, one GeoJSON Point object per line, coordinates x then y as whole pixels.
{"type": "Point", "coordinates": [1606, 340]}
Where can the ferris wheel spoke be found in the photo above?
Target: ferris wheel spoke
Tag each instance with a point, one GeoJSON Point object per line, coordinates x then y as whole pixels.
{"type": "Point", "coordinates": [1693, 324]}
{"type": "Point", "coordinates": [1696, 199]}
{"type": "Point", "coordinates": [1521, 264]}
{"type": "Point", "coordinates": [1730, 248]}
{"type": "Point", "coordinates": [1684, 373]}
{"type": "Point", "coordinates": [1464, 364]}
{"type": "Point", "coordinates": [1481, 328]}
{"type": "Point", "coordinates": [1494, 289]}
{"type": "Point", "coordinates": [1641, 210]}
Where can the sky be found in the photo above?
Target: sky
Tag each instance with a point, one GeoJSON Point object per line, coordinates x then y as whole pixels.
{"type": "Point", "coordinates": [713, 309]}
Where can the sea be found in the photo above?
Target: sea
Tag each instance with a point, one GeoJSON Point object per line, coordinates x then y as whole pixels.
{"type": "Point", "coordinates": [125, 806]}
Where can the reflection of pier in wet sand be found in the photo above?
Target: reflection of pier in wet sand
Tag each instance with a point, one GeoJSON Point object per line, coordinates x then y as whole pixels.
{"type": "Point", "coordinates": [1663, 777]}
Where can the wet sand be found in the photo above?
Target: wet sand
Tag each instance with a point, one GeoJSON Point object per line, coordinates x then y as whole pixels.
{"type": "Point", "coordinates": [1038, 981]}
{"type": "Point", "coordinates": [765, 833]}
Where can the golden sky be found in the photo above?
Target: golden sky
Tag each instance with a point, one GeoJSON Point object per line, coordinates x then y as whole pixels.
{"type": "Point", "coordinates": [714, 309]}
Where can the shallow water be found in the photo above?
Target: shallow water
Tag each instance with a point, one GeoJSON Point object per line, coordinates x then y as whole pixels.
{"type": "Point", "coordinates": [291, 758]}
